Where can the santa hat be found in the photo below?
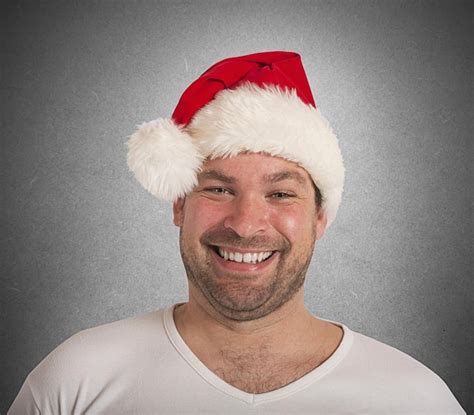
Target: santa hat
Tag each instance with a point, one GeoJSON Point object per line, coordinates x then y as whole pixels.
{"type": "Point", "coordinates": [255, 103]}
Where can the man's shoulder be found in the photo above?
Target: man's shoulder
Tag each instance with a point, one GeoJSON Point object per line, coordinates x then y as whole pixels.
{"type": "Point", "coordinates": [103, 348]}
{"type": "Point", "coordinates": [388, 369]}
{"type": "Point", "coordinates": [120, 333]}
{"type": "Point", "coordinates": [377, 354]}
{"type": "Point", "coordinates": [104, 361]}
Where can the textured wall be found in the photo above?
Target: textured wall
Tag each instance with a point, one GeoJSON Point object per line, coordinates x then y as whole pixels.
{"type": "Point", "coordinates": [84, 244]}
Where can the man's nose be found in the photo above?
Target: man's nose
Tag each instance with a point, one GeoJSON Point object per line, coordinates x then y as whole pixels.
{"type": "Point", "coordinates": [248, 215]}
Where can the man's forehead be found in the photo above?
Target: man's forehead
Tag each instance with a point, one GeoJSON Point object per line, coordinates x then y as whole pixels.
{"type": "Point", "coordinates": [265, 167]}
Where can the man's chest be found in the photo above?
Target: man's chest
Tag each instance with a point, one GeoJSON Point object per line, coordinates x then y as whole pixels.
{"type": "Point", "coordinates": [260, 374]}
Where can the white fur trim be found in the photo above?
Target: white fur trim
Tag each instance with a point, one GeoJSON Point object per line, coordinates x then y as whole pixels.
{"type": "Point", "coordinates": [277, 122]}
{"type": "Point", "coordinates": [163, 158]}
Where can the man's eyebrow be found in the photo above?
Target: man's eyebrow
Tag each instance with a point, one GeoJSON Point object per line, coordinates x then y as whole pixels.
{"type": "Point", "coordinates": [216, 175]}
{"type": "Point", "coordinates": [285, 175]}
{"type": "Point", "coordinates": [268, 178]}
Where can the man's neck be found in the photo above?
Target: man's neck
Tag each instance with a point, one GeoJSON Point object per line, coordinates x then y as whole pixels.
{"type": "Point", "coordinates": [278, 348]}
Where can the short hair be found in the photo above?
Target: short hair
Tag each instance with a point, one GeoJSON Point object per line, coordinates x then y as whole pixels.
{"type": "Point", "coordinates": [318, 195]}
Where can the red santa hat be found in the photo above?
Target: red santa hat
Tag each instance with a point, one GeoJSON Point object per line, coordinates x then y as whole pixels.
{"type": "Point", "coordinates": [253, 103]}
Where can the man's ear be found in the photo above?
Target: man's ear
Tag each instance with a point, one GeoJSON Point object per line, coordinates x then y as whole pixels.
{"type": "Point", "coordinates": [321, 223]}
{"type": "Point", "coordinates": [178, 211]}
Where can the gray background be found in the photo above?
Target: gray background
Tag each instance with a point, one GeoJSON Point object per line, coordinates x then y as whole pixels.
{"type": "Point", "coordinates": [84, 244]}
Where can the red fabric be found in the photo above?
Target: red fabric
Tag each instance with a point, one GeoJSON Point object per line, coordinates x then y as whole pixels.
{"type": "Point", "coordinates": [284, 69]}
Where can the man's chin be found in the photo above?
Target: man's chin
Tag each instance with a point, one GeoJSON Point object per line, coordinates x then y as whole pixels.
{"type": "Point", "coordinates": [243, 311]}
{"type": "Point", "coordinates": [238, 301]}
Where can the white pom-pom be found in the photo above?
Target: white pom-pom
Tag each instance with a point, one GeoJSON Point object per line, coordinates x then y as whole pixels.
{"type": "Point", "coordinates": [164, 159]}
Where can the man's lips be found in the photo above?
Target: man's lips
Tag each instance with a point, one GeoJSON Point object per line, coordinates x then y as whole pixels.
{"type": "Point", "coordinates": [229, 265]}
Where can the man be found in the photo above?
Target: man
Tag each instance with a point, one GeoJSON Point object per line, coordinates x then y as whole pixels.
{"type": "Point", "coordinates": [256, 176]}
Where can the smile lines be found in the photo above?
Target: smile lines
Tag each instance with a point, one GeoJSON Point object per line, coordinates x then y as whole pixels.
{"type": "Point", "coordinates": [247, 257]}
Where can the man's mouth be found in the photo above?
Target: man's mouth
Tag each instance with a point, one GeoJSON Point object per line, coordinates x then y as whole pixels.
{"type": "Point", "coordinates": [242, 256]}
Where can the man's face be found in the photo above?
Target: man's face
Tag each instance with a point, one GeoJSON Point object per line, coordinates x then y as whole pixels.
{"type": "Point", "coordinates": [247, 233]}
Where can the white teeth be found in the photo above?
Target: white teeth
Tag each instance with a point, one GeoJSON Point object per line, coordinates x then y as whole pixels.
{"type": "Point", "coordinates": [248, 257]}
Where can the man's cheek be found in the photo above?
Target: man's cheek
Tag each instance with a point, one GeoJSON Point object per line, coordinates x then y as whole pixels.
{"type": "Point", "coordinates": [207, 215]}
{"type": "Point", "coordinates": [289, 224]}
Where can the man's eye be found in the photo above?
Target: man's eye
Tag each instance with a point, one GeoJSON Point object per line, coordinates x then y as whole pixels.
{"type": "Point", "coordinates": [217, 190]}
{"type": "Point", "coordinates": [281, 195]}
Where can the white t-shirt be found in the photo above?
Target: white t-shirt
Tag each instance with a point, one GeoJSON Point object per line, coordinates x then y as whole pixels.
{"type": "Point", "coordinates": [142, 366]}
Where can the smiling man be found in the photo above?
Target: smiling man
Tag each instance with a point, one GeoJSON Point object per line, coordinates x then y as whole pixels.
{"type": "Point", "coordinates": [246, 240]}
{"type": "Point", "coordinates": [255, 175]}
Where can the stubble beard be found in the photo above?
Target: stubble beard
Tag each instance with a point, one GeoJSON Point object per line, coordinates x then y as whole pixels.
{"type": "Point", "coordinates": [240, 301]}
